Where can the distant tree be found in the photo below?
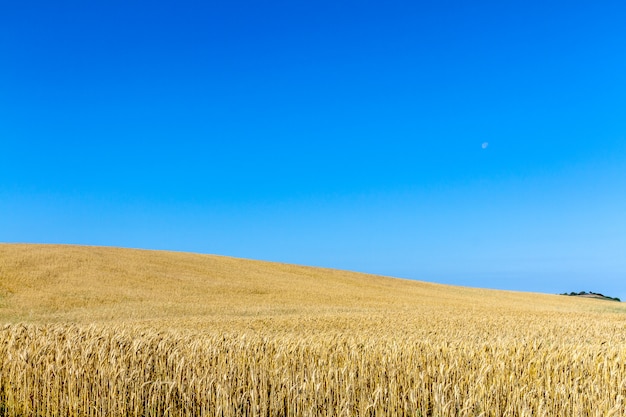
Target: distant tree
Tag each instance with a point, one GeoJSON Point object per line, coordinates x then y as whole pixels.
{"type": "Point", "coordinates": [597, 294]}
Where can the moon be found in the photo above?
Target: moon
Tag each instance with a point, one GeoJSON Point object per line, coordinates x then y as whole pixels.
{"type": "Point", "coordinates": [485, 144]}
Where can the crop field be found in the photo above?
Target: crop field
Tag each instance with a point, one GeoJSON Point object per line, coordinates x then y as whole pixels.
{"type": "Point", "coordinates": [91, 331]}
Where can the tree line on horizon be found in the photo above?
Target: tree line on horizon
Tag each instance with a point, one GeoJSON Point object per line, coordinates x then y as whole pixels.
{"type": "Point", "coordinates": [583, 293]}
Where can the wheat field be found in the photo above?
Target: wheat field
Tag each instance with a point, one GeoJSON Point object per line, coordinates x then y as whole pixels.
{"type": "Point", "coordinates": [92, 331]}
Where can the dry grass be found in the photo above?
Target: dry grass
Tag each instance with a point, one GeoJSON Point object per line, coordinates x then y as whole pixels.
{"type": "Point", "coordinates": [116, 332]}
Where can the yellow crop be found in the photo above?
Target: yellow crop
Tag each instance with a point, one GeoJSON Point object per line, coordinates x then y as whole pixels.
{"type": "Point", "coordinates": [112, 332]}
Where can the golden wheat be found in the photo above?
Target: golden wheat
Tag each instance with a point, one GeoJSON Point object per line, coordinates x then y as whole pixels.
{"type": "Point", "coordinates": [366, 351]}
{"type": "Point", "coordinates": [97, 371]}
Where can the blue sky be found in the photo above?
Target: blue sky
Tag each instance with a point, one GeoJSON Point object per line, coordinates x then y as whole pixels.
{"type": "Point", "coordinates": [344, 134]}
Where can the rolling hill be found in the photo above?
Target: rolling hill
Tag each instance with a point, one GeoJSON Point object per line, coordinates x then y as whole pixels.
{"type": "Point", "coordinates": [42, 283]}
{"type": "Point", "coordinates": [92, 331]}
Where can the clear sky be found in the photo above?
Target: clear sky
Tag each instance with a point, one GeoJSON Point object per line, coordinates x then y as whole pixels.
{"type": "Point", "coordinates": [344, 134]}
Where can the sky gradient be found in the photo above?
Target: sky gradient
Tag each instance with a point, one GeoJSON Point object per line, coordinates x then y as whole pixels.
{"type": "Point", "coordinates": [343, 134]}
